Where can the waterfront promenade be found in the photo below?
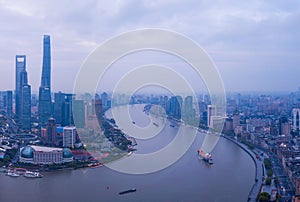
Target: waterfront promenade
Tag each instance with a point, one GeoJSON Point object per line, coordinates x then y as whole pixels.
{"type": "Point", "coordinates": [259, 173]}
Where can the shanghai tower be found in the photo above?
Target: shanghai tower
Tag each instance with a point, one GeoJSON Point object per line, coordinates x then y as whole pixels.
{"type": "Point", "coordinates": [44, 110]}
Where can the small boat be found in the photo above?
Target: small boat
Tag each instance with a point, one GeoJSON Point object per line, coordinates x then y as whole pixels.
{"type": "Point", "coordinates": [127, 191]}
{"type": "Point", "coordinates": [95, 165]}
{"type": "Point", "coordinates": [30, 174]}
{"type": "Point", "coordinates": [205, 156]}
{"type": "Point", "coordinates": [12, 174]}
{"type": "Point", "coordinates": [155, 124]}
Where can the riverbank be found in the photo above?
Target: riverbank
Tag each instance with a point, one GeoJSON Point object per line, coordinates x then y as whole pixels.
{"type": "Point", "coordinates": [255, 190]}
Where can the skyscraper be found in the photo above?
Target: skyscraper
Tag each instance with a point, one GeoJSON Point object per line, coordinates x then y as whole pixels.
{"type": "Point", "coordinates": [67, 118]}
{"type": "Point", "coordinates": [188, 104]}
{"type": "Point", "coordinates": [211, 112]}
{"type": "Point", "coordinates": [20, 67]}
{"type": "Point", "coordinates": [6, 102]}
{"type": "Point", "coordinates": [9, 102]}
{"type": "Point", "coordinates": [173, 107]}
{"type": "Point", "coordinates": [104, 98]}
{"type": "Point", "coordinates": [46, 71]}
{"type": "Point", "coordinates": [45, 88]}
{"type": "Point", "coordinates": [296, 119]}
{"type": "Point", "coordinates": [59, 100]}
{"type": "Point", "coordinates": [23, 94]}
{"type": "Point", "coordinates": [284, 126]}
{"type": "Point", "coordinates": [69, 136]}
{"type": "Point", "coordinates": [25, 103]}
{"type": "Point", "coordinates": [79, 113]}
{"type": "Point", "coordinates": [51, 132]}
{"type": "Point", "coordinates": [236, 119]}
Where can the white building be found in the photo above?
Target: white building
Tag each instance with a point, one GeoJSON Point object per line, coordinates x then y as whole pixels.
{"type": "Point", "coordinates": [45, 155]}
{"type": "Point", "coordinates": [211, 112]}
{"type": "Point", "coordinates": [295, 116]}
{"type": "Point", "coordinates": [69, 136]}
{"type": "Point", "coordinates": [217, 123]}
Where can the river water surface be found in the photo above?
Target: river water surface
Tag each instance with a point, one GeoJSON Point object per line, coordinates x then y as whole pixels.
{"type": "Point", "coordinates": [230, 178]}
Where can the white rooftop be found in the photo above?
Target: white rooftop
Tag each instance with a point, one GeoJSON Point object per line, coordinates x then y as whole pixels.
{"type": "Point", "coordinates": [45, 149]}
{"type": "Point", "coordinates": [69, 128]}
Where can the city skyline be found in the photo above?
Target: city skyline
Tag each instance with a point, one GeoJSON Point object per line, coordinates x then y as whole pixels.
{"type": "Point", "coordinates": [253, 44]}
{"type": "Point", "coordinates": [120, 100]}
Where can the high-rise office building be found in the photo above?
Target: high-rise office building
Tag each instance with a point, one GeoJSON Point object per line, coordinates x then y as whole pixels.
{"type": "Point", "coordinates": [20, 67]}
{"type": "Point", "coordinates": [51, 132]}
{"type": "Point", "coordinates": [63, 108]}
{"type": "Point", "coordinates": [23, 94]}
{"type": "Point", "coordinates": [67, 118]}
{"type": "Point", "coordinates": [296, 119]}
{"type": "Point", "coordinates": [44, 109]}
{"type": "Point", "coordinates": [284, 126]}
{"type": "Point", "coordinates": [189, 111]}
{"type": "Point", "coordinates": [179, 106]}
{"type": "Point", "coordinates": [45, 88]}
{"type": "Point", "coordinates": [211, 112]}
{"type": "Point", "coordinates": [25, 109]}
{"type": "Point", "coordinates": [9, 103]}
{"type": "Point", "coordinates": [2, 100]}
{"type": "Point", "coordinates": [164, 101]}
{"type": "Point", "coordinates": [188, 104]}
{"type": "Point", "coordinates": [6, 102]}
{"type": "Point", "coordinates": [98, 109]}
{"type": "Point", "coordinates": [69, 136]}
{"type": "Point", "coordinates": [104, 98]}
{"type": "Point", "coordinates": [25, 100]}
{"type": "Point", "coordinates": [59, 100]}
{"type": "Point", "coordinates": [285, 129]}
{"type": "Point", "coordinates": [173, 108]}
{"type": "Point", "coordinates": [79, 113]}
{"type": "Point", "coordinates": [236, 119]}
{"type": "Point", "coordinates": [228, 126]}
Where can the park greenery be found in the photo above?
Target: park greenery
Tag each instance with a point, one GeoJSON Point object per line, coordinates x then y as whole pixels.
{"type": "Point", "coordinates": [268, 181]}
{"type": "Point", "coordinates": [268, 164]}
{"type": "Point", "coordinates": [264, 197]}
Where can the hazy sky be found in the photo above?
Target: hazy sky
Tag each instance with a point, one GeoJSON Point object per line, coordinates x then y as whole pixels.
{"type": "Point", "coordinates": [255, 44]}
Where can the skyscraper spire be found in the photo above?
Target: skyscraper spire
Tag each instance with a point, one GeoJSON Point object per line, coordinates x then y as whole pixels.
{"type": "Point", "coordinates": [46, 71]}
{"type": "Point", "coordinates": [44, 90]}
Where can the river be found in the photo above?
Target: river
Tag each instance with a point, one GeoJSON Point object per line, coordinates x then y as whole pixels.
{"type": "Point", "coordinates": [230, 178]}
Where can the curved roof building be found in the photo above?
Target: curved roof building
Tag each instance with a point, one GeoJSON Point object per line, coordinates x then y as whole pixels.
{"type": "Point", "coordinates": [67, 153]}
{"type": "Point", "coordinates": [45, 155]}
{"type": "Point", "coordinates": [27, 152]}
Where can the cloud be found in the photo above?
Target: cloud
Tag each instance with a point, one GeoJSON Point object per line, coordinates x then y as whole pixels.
{"type": "Point", "coordinates": [239, 35]}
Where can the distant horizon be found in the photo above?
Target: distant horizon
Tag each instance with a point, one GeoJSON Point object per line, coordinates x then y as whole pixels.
{"type": "Point", "coordinates": [159, 93]}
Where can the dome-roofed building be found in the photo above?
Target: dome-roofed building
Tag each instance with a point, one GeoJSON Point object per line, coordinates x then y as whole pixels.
{"type": "Point", "coordinates": [27, 152]}
{"type": "Point", "coordinates": [67, 153]}
{"type": "Point", "coordinates": [45, 155]}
